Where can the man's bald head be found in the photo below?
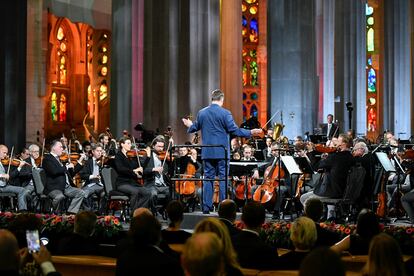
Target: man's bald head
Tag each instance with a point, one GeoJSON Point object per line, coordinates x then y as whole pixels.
{"type": "Point", "coordinates": [227, 209]}
{"type": "Point", "coordinates": [9, 251]}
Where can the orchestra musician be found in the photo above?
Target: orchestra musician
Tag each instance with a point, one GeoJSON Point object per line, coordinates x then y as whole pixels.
{"type": "Point", "coordinates": [216, 125]}
{"type": "Point", "coordinates": [91, 175]}
{"type": "Point", "coordinates": [330, 128]}
{"type": "Point", "coordinates": [267, 151]}
{"type": "Point", "coordinates": [128, 173]}
{"type": "Point", "coordinates": [23, 195]}
{"type": "Point", "coordinates": [59, 182]}
{"type": "Point", "coordinates": [336, 166]}
{"type": "Point", "coordinates": [366, 159]}
{"type": "Point", "coordinates": [155, 170]}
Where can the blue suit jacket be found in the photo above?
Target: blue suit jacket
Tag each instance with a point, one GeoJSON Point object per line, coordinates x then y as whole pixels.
{"type": "Point", "coordinates": [216, 125]}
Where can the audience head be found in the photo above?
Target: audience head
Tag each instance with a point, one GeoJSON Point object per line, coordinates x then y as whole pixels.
{"type": "Point", "coordinates": [202, 255]}
{"type": "Point", "coordinates": [322, 261]}
{"type": "Point", "coordinates": [145, 229]}
{"type": "Point", "coordinates": [175, 211]}
{"type": "Point", "coordinates": [314, 209]}
{"type": "Point", "coordinates": [9, 251]}
{"type": "Point", "coordinates": [24, 222]}
{"type": "Point", "coordinates": [214, 225]}
{"type": "Point", "coordinates": [367, 224]}
{"type": "Point", "coordinates": [384, 257]}
{"type": "Point", "coordinates": [140, 211]}
{"type": "Point", "coordinates": [227, 209]}
{"type": "Point", "coordinates": [85, 222]}
{"type": "Point", "coordinates": [253, 215]}
{"type": "Point", "coordinates": [303, 233]}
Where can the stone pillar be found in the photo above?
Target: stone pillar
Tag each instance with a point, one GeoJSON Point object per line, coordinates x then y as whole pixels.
{"type": "Point", "coordinates": [397, 68]}
{"type": "Point", "coordinates": [231, 58]}
{"type": "Point", "coordinates": [13, 73]}
{"type": "Point", "coordinates": [350, 60]}
{"type": "Point", "coordinates": [292, 74]}
{"type": "Point", "coordinates": [181, 61]}
{"type": "Point", "coordinates": [121, 71]}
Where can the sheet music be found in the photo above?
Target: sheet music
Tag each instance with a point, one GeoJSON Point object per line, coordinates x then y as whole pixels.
{"type": "Point", "coordinates": [245, 163]}
{"type": "Point", "coordinates": [385, 161]}
{"type": "Point", "coordinates": [291, 165]}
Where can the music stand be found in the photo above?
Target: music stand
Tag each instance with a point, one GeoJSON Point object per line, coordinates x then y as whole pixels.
{"type": "Point", "coordinates": [293, 169]}
{"type": "Point", "coordinates": [241, 168]}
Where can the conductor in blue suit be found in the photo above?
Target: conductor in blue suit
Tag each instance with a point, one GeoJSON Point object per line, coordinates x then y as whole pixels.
{"type": "Point", "coordinates": [216, 125]}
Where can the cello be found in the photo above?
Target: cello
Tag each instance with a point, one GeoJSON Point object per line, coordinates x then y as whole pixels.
{"type": "Point", "coordinates": [266, 192]}
{"type": "Point", "coordinates": [187, 187]}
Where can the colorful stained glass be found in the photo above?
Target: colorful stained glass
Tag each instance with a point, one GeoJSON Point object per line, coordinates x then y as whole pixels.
{"type": "Point", "coordinates": [244, 8]}
{"type": "Point", "coordinates": [372, 119]}
{"type": "Point", "coordinates": [253, 74]}
{"type": "Point", "coordinates": [53, 106]}
{"type": "Point", "coordinates": [253, 111]}
{"type": "Point", "coordinates": [250, 1]}
{"type": "Point", "coordinates": [372, 80]}
{"type": "Point", "coordinates": [369, 61]}
{"type": "Point", "coordinates": [253, 9]}
{"type": "Point", "coordinates": [370, 40]}
{"type": "Point", "coordinates": [244, 96]}
{"type": "Point", "coordinates": [60, 34]}
{"type": "Point", "coordinates": [103, 91]}
{"type": "Point", "coordinates": [254, 25]}
{"type": "Point", "coordinates": [62, 108]}
{"type": "Point", "coordinates": [368, 10]}
{"type": "Point", "coordinates": [372, 101]}
{"type": "Point", "coordinates": [244, 21]}
{"type": "Point", "coordinates": [370, 20]}
{"type": "Point", "coordinates": [244, 74]}
{"type": "Point", "coordinates": [254, 96]}
{"type": "Point", "coordinates": [253, 53]}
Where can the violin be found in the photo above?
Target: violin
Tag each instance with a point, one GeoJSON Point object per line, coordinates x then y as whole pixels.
{"type": "Point", "coordinates": [408, 154]}
{"type": "Point", "coordinates": [240, 187]}
{"type": "Point", "coordinates": [164, 155]}
{"type": "Point", "coordinates": [133, 153]}
{"type": "Point", "coordinates": [72, 157]}
{"type": "Point", "coordinates": [14, 162]}
{"type": "Point", "coordinates": [324, 149]}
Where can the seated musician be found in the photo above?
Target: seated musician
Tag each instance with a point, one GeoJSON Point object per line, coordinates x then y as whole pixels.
{"type": "Point", "coordinates": [235, 149]}
{"type": "Point", "coordinates": [91, 174]}
{"type": "Point", "coordinates": [155, 170]}
{"type": "Point", "coordinates": [128, 173]}
{"type": "Point", "coordinates": [336, 166]}
{"type": "Point", "coordinates": [248, 154]}
{"type": "Point", "coordinates": [282, 188]}
{"type": "Point", "coordinates": [267, 151]}
{"type": "Point", "coordinates": [23, 195]}
{"type": "Point", "coordinates": [365, 158]}
{"type": "Point", "coordinates": [187, 156]}
{"type": "Point", "coordinates": [109, 146]}
{"type": "Point", "coordinates": [59, 182]}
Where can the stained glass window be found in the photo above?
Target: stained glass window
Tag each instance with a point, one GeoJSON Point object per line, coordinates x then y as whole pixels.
{"type": "Point", "coordinates": [250, 66]}
{"type": "Point", "coordinates": [62, 108]}
{"type": "Point", "coordinates": [53, 106]}
{"type": "Point", "coordinates": [371, 72]}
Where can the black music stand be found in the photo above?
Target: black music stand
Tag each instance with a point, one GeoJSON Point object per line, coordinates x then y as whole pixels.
{"type": "Point", "coordinates": [306, 168]}
{"type": "Point", "coordinates": [387, 168]}
{"type": "Point", "coordinates": [293, 169]}
{"type": "Point", "coordinates": [317, 138]}
{"type": "Point", "coordinates": [240, 168]}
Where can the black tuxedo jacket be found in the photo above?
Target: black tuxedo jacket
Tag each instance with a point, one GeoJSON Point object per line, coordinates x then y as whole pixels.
{"type": "Point", "coordinates": [124, 167]}
{"type": "Point", "coordinates": [254, 253]}
{"type": "Point", "coordinates": [149, 175]}
{"type": "Point", "coordinates": [233, 230]}
{"type": "Point", "coordinates": [56, 174]}
{"type": "Point", "coordinates": [87, 171]}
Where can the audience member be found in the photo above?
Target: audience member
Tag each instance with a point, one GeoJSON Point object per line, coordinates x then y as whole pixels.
{"type": "Point", "coordinates": [145, 256]}
{"type": "Point", "coordinates": [11, 257]}
{"type": "Point", "coordinates": [314, 211]}
{"type": "Point", "coordinates": [303, 236]}
{"type": "Point", "coordinates": [203, 255]}
{"type": "Point", "coordinates": [358, 244]}
{"type": "Point", "coordinates": [322, 262]}
{"type": "Point", "coordinates": [174, 233]}
{"type": "Point", "coordinates": [384, 257]}
{"type": "Point", "coordinates": [80, 242]}
{"type": "Point", "coordinates": [252, 251]}
{"type": "Point", "coordinates": [227, 213]}
{"type": "Point", "coordinates": [231, 266]}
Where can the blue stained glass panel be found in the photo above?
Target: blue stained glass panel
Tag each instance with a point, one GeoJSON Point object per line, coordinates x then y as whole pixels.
{"type": "Point", "coordinates": [369, 61]}
{"type": "Point", "coordinates": [372, 80]}
{"type": "Point", "coordinates": [253, 111]}
{"type": "Point", "coordinates": [244, 21]}
{"type": "Point", "coordinates": [368, 10]}
{"type": "Point", "coordinates": [253, 25]}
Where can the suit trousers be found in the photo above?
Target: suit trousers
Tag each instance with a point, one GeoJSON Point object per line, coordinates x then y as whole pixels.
{"type": "Point", "coordinates": [213, 168]}
{"type": "Point", "coordinates": [22, 195]}
{"type": "Point", "coordinates": [140, 196]}
{"type": "Point", "coordinates": [77, 196]}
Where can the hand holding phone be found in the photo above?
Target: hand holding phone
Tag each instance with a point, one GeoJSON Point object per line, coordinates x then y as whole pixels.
{"type": "Point", "coordinates": [33, 242]}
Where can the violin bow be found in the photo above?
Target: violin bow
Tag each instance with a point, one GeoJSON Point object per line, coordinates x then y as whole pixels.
{"type": "Point", "coordinates": [43, 151]}
{"type": "Point", "coordinates": [166, 152]}
{"type": "Point", "coordinates": [136, 151]}
{"type": "Point", "coordinates": [271, 118]}
{"type": "Point", "coordinates": [10, 160]}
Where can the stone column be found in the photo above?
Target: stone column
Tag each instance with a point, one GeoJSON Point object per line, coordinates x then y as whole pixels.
{"type": "Point", "coordinates": [397, 68]}
{"type": "Point", "coordinates": [231, 58]}
{"type": "Point", "coordinates": [13, 73]}
{"type": "Point", "coordinates": [292, 68]}
{"type": "Point", "coordinates": [350, 60]}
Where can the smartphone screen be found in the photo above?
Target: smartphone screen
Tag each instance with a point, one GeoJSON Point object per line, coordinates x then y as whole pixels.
{"type": "Point", "coordinates": [33, 242]}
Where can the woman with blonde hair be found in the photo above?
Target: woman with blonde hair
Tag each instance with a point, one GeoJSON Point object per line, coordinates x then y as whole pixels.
{"type": "Point", "coordinates": [214, 225]}
{"type": "Point", "coordinates": [384, 257]}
